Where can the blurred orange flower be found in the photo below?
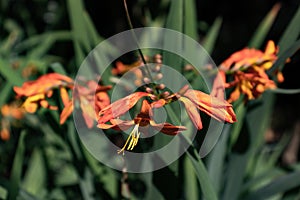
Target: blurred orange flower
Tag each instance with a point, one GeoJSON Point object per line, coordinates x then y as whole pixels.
{"type": "Point", "coordinates": [11, 113]}
{"type": "Point", "coordinates": [37, 93]}
{"type": "Point", "coordinates": [39, 90]}
{"type": "Point", "coordinates": [248, 71]}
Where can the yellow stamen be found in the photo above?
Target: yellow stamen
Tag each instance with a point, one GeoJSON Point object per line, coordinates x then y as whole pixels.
{"type": "Point", "coordinates": [133, 138]}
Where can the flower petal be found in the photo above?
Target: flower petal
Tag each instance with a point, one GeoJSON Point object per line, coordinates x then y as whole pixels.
{"type": "Point", "coordinates": [192, 112]}
{"type": "Point", "coordinates": [216, 108]}
{"type": "Point", "coordinates": [120, 107]}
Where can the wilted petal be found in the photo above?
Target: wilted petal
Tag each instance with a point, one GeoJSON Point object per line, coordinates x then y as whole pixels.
{"type": "Point", "coordinates": [120, 107]}
{"type": "Point", "coordinates": [192, 112]}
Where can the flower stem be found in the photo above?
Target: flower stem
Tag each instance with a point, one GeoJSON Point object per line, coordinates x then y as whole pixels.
{"type": "Point", "coordinates": [136, 41]}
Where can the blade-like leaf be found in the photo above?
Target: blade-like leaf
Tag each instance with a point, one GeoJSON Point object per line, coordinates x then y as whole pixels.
{"type": "Point", "coordinates": [264, 27]}
{"type": "Point", "coordinates": [17, 166]}
{"type": "Point", "coordinates": [35, 177]}
{"type": "Point", "coordinates": [282, 184]}
{"type": "Point", "coordinates": [212, 35]}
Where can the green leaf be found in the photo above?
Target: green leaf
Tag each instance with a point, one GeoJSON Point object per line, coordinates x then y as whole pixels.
{"type": "Point", "coordinates": [285, 91]}
{"type": "Point", "coordinates": [240, 111]}
{"type": "Point", "coordinates": [279, 185]}
{"type": "Point", "coordinates": [284, 56]}
{"type": "Point", "coordinates": [79, 30]}
{"type": "Point", "coordinates": [212, 34]}
{"type": "Point", "coordinates": [235, 175]}
{"type": "Point", "coordinates": [5, 92]}
{"type": "Point", "coordinates": [216, 159]}
{"type": "Point", "coordinates": [190, 19]}
{"type": "Point", "coordinates": [175, 21]}
{"type": "Point", "coordinates": [200, 170]}
{"type": "Point", "coordinates": [190, 180]}
{"type": "Point", "coordinates": [291, 33]}
{"type": "Point", "coordinates": [35, 177]}
{"type": "Point", "coordinates": [58, 68]}
{"type": "Point", "coordinates": [202, 175]}
{"type": "Point", "coordinates": [17, 166]}
{"type": "Point", "coordinates": [87, 186]}
{"type": "Point", "coordinates": [3, 192]}
{"type": "Point", "coordinates": [264, 27]}
{"type": "Point", "coordinates": [6, 71]}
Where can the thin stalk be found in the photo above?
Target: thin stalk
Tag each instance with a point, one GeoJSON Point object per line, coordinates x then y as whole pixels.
{"type": "Point", "coordinates": [136, 41]}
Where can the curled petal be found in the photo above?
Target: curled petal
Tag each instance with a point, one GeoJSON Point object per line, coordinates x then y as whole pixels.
{"type": "Point", "coordinates": [192, 112]}
{"type": "Point", "coordinates": [120, 107]}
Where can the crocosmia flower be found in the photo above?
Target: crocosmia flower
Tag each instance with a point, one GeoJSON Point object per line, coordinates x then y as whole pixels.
{"type": "Point", "coordinates": [91, 96]}
{"type": "Point", "coordinates": [245, 72]}
{"type": "Point", "coordinates": [37, 91]}
{"type": "Point", "coordinates": [193, 101]}
{"type": "Point", "coordinates": [142, 120]}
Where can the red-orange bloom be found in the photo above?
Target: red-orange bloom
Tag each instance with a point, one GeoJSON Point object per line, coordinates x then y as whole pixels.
{"type": "Point", "coordinates": [39, 90]}
{"type": "Point", "coordinates": [11, 113]}
{"type": "Point", "coordinates": [248, 69]}
{"type": "Point", "coordinates": [195, 100]}
{"type": "Point", "coordinates": [251, 57]}
{"type": "Point", "coordinates": [142, 120]}
{"type": "Point", "coordinates": [91, 96]}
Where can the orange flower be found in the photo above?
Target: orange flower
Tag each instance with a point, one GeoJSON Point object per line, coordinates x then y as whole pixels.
{"type": "Point", "coordinates": [11, 113]}
{"type": "Point", "coordinates": [120, 107]}
{"type": "Point", "coordinates": [251, 57]}
{"type": "Point", "coordinates": [252, 84]}
{"type": "Point", "coordinates": [37, 91]}
{"type": "Point", "coordinates": [248, 70]}
{"type": "Point", "coordinates": [195, 100]}
{"type": "Point", "coordinates": [142, 120]}
{"type": "Point", "coordinates": [85, 94]}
